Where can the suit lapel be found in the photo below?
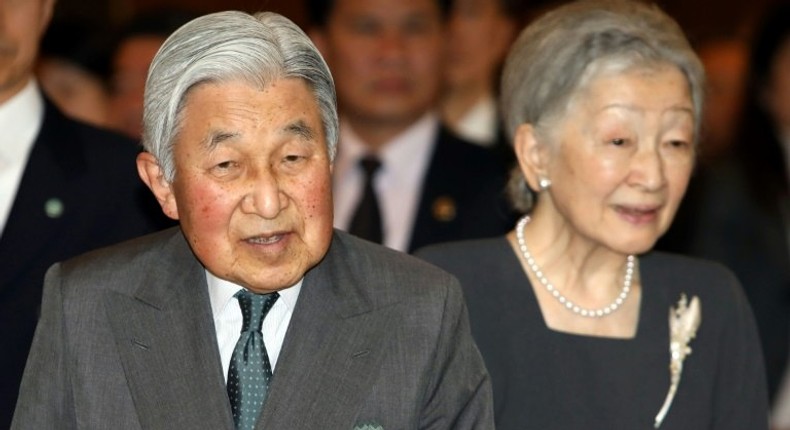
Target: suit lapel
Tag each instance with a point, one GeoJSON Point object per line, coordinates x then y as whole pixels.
{"type": "Point", "coordinates": [167, 342]}
{"type": "Point", "coordinates": [331, 352]}
{"type": "Point", "coordinates": [29, 229]}
{"type": "Point", "coordinates": [435, 195]}
{"type": "Point", "coordinates": [462, 194]}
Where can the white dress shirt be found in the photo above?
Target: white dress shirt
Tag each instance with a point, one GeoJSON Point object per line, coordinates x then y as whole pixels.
{"type": "Point", "coordinates": [20, 122]}
{"type": "Point", "coordinates": [398, 183]}
{"type": "Point", "coordinates": [228, 319]}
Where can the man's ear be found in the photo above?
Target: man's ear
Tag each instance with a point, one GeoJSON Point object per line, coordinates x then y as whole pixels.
{"type": "Point", "coordinates": [532, 155]}
{"type": "Point", "coordinates": [153, 176]}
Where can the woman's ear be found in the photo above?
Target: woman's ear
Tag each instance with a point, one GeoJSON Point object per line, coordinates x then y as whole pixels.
{"type": "Point", "coordinates": [532, 155]}
{"type": "Point", "coordinates": [151, 173]}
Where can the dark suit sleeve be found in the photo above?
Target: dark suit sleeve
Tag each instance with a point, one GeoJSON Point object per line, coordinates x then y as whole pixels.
{"type": "Point", "coordinates": [45, 400]}
{"type": "Point", "coordinates": [741, 402]}
{"type": "Point", "coordinates": [460, 395]}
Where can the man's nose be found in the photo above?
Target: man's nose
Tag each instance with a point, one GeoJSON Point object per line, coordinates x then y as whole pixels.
{"type": "Point", "coordinates": [392, 45]}
{"type": "Point", "coordinates": [264, 196]}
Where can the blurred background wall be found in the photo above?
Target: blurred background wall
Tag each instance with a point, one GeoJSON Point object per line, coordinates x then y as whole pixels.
{"type": "Point", "coordinates": [113, 13]}
{"type": "Point", "coordinates": [701, 19]}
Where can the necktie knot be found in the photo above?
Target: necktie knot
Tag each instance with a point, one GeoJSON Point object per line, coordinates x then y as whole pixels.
{"type": "Point", "coordinates": [254, 308]}
{"type": "Point", "coordinates": [370, 165]}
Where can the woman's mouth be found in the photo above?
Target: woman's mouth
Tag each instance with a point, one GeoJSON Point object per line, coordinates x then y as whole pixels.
{"type": "Point", "coordinates": [638, 215]}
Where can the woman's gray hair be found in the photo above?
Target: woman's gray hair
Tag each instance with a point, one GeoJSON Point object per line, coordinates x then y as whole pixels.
{"type": "Point", "coordinates": [559, 53]}
{"type": "Point", "coordinates": [225, 47]}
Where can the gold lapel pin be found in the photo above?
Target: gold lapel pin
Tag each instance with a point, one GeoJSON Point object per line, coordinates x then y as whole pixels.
{"type": "Point", "coordinates": [444, 209]}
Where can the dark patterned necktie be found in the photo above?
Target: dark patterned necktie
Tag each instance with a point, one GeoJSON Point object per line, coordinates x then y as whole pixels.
{"type": "Point", "coordinates": [250, 370]}
{"type": "Point", "coordinates": [366, 222]}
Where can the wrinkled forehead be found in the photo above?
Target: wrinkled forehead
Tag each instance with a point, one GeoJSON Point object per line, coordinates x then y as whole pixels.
{"type": "Point", "coordinates": [614, 67]}
{"type": "Point", "coordinates": [286, 106]}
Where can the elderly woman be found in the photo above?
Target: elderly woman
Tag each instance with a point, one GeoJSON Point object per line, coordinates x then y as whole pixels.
{"type": "Point", "coordinates": [580, 325]}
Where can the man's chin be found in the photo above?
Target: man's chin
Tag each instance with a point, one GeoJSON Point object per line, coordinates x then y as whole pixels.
{"type": "Point", "coordinates": [270, 287]}
{"type": "Point", "coordinates": [273, 278]}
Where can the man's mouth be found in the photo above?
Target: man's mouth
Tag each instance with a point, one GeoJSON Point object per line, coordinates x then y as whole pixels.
{"type": "Point", "coordinates": [265, 239]}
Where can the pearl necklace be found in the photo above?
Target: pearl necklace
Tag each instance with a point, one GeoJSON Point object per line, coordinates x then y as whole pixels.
{"type": "Point", "coordinates": [592, 313]}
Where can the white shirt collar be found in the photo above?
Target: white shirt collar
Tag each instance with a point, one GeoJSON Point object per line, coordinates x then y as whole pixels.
{"type": "Point", "coordinates": [398, 184]}
{"type": "Point", "coordinates": [221, 293]}
{"type": "Point", "coordinates": [20, 120]}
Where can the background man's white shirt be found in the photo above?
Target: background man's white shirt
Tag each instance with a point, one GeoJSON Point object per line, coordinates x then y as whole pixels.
{"type": "Point", "coordinates": [398, 183]}
{"type": "Point", "coordinates": [20, 120]}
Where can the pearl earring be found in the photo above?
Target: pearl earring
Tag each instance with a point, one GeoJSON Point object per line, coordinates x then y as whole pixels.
{"type": "Point", "coordinates": [544, 183]}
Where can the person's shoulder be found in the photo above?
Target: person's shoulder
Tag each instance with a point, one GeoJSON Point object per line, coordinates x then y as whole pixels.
{"type": "Point", "coordinates": [715, 284]}
{"type": "Point", "coordinates": [682, 266]}
{"type": "Point", "coordinates": [481, 265]}
{"type": "Point", "coordinates": [116, 261]}
{"type": "Point", "coordinates": [105, 136]}
{"type": "Point", "coordinates": [103, 139]}
{"type": "Point", "coordinates": [89, 150]}
{"type": "Point", "coordinates": [463, 147]}
{"type": "Point", "coordinates": [463, 252]}
{"type": "Point", "coordinates": [380, 258]}
{"type": "Point", "coordinates": [85, 138]}
{"type": "Point", "coordinates": [384, 271]}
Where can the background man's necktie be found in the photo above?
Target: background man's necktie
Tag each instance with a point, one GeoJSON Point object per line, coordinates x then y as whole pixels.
{"type": "Point", "coordinates": [366, 222]}
{"type": "Point", "coordinates": [250, 370]}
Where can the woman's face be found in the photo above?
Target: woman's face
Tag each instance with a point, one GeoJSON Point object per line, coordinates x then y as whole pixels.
{"type": "Point", "coordinates": [622, 156]}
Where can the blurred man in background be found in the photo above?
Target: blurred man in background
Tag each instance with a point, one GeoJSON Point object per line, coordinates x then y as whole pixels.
{"type": "Point", "coordinates": [65, 188]}
{"type": "Point", "coordinates": [401, 177]}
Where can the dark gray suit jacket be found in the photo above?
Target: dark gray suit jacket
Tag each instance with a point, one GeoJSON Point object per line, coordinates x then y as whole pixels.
{"type": "Point", "coordinates": [127, 341]}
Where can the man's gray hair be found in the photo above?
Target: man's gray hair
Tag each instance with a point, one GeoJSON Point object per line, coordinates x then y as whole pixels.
{"type": "Point", "coordinates": [558, 54]}
{"type": "Point", "coordinates": [226, 47]}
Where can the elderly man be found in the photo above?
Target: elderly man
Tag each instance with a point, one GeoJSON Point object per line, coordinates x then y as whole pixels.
{"type": "Point", "coordinates": [240, 129]}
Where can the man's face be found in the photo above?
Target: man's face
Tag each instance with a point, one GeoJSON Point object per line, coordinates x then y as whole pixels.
{"type": "Point", "coordinates": [130, 69]}
{"type": "Point", "coordinates": [22, 23]}
{"type": "Point", "coordinates": [252, 182]}
{"type": "Point", "coordinates": [385, 57]}
{"type": "Point", "coordinates": [479, 35]}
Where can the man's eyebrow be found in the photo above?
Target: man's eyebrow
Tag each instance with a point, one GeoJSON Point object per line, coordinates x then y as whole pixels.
{"type": "Point", "coordinates": [298, 128]}
{"type": "Point", "coordinates": [301, 129]}
{"type": "Point", "coordinates": [216, 137]}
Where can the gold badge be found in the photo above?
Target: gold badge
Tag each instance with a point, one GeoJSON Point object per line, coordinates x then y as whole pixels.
{"type": "Point", "coordinates": [444, 209]}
